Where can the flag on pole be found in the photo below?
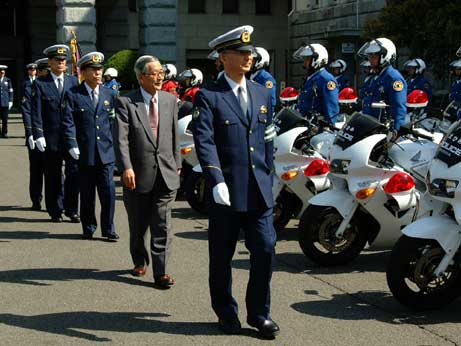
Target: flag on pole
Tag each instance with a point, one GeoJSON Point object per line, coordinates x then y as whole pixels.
{"type": "Point", "coordinates": [76, 54]}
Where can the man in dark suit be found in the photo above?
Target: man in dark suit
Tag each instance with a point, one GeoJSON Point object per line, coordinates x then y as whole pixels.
{"type": "Point", "coordinates": [6, 100]}
{"type": "Point", "coordinates": [47, 95]}
{"type": "Point", "coordinates": [148, 150]}
{"type": "Point", "coordinates": [233, 134]}
{"type": "Point", "coordinates": [35, 156]}
{"type": "Point", "coordinates": [87, 128]}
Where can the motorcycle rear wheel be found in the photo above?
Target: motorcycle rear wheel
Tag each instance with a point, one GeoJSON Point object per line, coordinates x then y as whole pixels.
{"type": "Point", "coordinates": [410, 279]}
{"type": "Point", "coordinates": [283, 210]}
{"type": "Point", "coordinates": [317, 239]}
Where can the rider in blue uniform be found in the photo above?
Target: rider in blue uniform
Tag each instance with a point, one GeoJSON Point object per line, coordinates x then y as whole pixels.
{"type": "Point", "coordinates": [319, 95]}
{"type": "Point", "coordinates": [416, 79]}
{"type": "Point", "coordinates": [338, 69]}
{"type": "Point", "coordinates": [110, 80]}
{"type": "Point", "coordinates": [455, 90]}
{"type": "Point", "coordinates": [389, 85]}
{"type": "Point", "coordinates": [260, 74]}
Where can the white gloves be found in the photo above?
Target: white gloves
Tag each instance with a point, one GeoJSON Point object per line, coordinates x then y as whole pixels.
{"type": "Point", "coordinates": [75, 153]}
{"type": "Point", "coordinates": [41, 144]}
{"type": "Point", "coordinates": [10, 104]}
{"type": "Point", "coordinates": [221, 194]}
{"type": "Point", "coordinates": [31, 142]}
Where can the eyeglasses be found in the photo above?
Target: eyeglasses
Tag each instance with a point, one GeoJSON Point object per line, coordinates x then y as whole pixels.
{"type": "Point", "coordinates": [156, 74]}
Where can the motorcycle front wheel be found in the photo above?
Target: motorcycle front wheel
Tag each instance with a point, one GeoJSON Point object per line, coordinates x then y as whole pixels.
{"type": "Point", "coordinates": [410, 275]}
{"type": "Point", "coordinates": [317, 239]}
{"type": "Point", "coordinates": [195, 192]}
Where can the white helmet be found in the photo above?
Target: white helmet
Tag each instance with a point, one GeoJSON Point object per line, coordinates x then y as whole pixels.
{"type": "Point", "coordinates": [214, 55]}
{"type": "Point", "coordinates": [195, 75]}
{"type": "Point", "coordinates": [262, 58]}
{"type": "Point", "coordinates": [111, 72]}
{"type": "Point", "coordinates": [458, 52]}
{"type": "Point", "coordinates": [170, 71]}
{"type": "Point", "coordinates": [417, 63]}
{"type": "Point", "coordinates": [456, 64]}
{"type": "Point", "coordinates": [318, 53]}
{"type": "Point", "coordinates": [382, 46]}
{"type": "Point", "coordinates": [339, 63]}
{"type": "Point", "coordinates": [365, 64]}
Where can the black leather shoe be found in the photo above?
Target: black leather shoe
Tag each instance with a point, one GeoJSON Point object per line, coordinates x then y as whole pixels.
{"type": "Point", "coordinates": [230, 326]}
{"type": "Point", "coordinates": [88, 236]}
{"type": "Point", "coordinates": [111, 236]}
{"type": "Point", "coordinates": [267, 329]}
{"type": "Point", "coordinates": [36, 206]}
{"type": "Point", "coordinates": [56, 219]}
{"type": "Point", "coordinates": [74, 218]}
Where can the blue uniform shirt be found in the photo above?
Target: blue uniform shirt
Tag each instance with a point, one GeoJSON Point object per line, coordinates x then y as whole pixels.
{"type": "Point", "coordinates": [420, 83]}
{"type": "Point", "coordinates": [390, 87]}
{"type": "Point", "coordinates": [365, 88]}
{"type": "Point", "coordinates": [6, 92]}
{"type": "Point", "coordinates": [320, 94]}
{"type": "Point", "coordinates": [265, 79]}
{"type": "Point", "coordinates": [455, 91]}
{"type": "Point", "coordinates": [113, 85]}
{"type": "Point", "coordinates": [343, 81]}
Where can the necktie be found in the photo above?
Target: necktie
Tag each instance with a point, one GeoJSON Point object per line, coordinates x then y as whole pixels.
{"type": "Point", "coordinates": [60, 86]}
{"type": "Point", "coordinates": [94, 97]}
{"type": "Point", "coordinates": [153, 117]}
{"type": "Point", "coordinates": [243, 102]}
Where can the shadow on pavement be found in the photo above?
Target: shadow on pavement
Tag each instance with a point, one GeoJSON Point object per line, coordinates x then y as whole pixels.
{"type": "Point", "coordinates": [31, 235]}
{"type": "Point", "coordinates": [373, 305]}
{"type": "Point", "coordinates": [196, 235]}
{"type": "Point", "coordinates": [15, 208]}
{"type": "Point", "coordinates": [188, 214]}
{"type": "Point", "coordinates": [73, 324]}
{"type": "Point", "coordinates": [35, 277]}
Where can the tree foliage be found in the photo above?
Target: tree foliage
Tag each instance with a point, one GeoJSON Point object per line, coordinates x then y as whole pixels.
{"type": "Point", "coordinates": [123, 61]}
{"type": "Point", "coordinates": [430, 29]}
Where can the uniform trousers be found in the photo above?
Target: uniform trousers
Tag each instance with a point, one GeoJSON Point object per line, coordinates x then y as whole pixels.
{"type": "Point", "coordinates": [260, 237]}
{"type": "Point", "coordinates": [36, 173]}
{"type": "Point", "coordinates": [4, 115]}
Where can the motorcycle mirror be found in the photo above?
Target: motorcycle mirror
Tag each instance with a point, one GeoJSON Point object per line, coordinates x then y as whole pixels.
{"type": "Point", "coordinates": [379, 105]}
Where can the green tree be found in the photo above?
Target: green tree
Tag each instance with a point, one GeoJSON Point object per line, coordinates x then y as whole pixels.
{"type": "Point", "coordinates": [123, 61]}
{"type": "Point", "coordinates": [430, 29]}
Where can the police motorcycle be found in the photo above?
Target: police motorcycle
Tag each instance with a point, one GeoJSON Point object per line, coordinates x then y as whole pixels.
{"type": "Point", "coordinates": [424, 269]}
{"type": "Point", "coordinates": [375, 190]}
{"type": "Point", "coordinates": [300, 157]}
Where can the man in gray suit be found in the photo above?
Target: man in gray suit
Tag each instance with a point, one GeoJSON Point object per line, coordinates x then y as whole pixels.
{"type": "Point", "coordinates": [148, 152]}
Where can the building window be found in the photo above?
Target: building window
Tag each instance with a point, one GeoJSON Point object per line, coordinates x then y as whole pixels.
{"type": "Point", "coordinates": [132, 6]}
{"type": "Point", "coordinates": [230, 6]}
{"type": "Point", "coordinates": [263, 7]}
{"type": "Point", "coordinates": [196, 6]}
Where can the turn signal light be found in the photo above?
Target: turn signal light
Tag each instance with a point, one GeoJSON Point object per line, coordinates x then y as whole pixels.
{"type": "Point", "coordinates": [365, 193]}
{"type": "Point", "coordinates": [317, 167]}
{"type": "Point", "coordinates": [289, 175]}
{"type": "Point", "coordinates": [399, 182]}
{"type": "Point", "coordinates": [186, 150]}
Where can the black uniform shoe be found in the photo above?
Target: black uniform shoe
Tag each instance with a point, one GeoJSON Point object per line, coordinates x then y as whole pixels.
{"type": "Point", "coordinates": [36, 206]}
{"type": "Point", "coordinates": [111, 236]}
{"type": "Point", "coordinates": [267, 329]}
{"type": "Point", "coordinates": [230, 326]}
{"type": "Point", "coordinates": [87, 236]}
{"type": "Point", "coordinates": [56, 219]}
{"type": "Point", "coordinates": [74, 218]}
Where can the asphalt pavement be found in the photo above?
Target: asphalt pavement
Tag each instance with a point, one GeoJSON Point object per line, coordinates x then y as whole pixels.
{"type": "Point", "coordinates": [58, 289]}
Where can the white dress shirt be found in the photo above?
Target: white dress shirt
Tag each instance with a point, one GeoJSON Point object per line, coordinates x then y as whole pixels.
{"type": "Point", "coordinates": [96, 90]}
{"type": "Point", "coordinates": [147, 97]}
{"type": "Point", "coordinates": [235, 87]}
{"type": "Point", "coordinates": [55, 79]}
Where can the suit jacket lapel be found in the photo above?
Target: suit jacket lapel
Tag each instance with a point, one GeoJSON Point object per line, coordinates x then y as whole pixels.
{"type": "Point", "coordinates": [162, 115]}
{"type": "Point", "coordinates": [229, 97]}
{"type": "Point", "coordinates": [254, 109]}
{"type": "Point", "coordinates": [142, 115]}
{"type": "Point", "coordinates": [52, 86]}
{"type": "Point", "coordinates": [85, 96]}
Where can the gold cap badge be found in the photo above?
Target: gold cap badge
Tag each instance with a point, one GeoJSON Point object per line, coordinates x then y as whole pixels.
{"type": "Point", "coordinates": [245, 37]}
{"type": "Point", "coordinates": [96, 59]}
{"type": "Point", "coordinates": [61, 50]}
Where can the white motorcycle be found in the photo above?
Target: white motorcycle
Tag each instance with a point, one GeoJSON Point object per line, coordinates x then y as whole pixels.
{"type": "Point", "coordinates": [424, 269]}
{"type": "Point", "coordinates": [373, 194]}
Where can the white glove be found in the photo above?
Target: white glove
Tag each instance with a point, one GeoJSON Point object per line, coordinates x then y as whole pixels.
{"type": "Point", "coordinates": [10, 104]}
{"type": "Point", "coordinates": [31, 142]}
{"type": "Point", "coordinates": [75, 153]}
{"type": "Point", "coordinates": [221, 194]}
{"type": "Point", "coordinates": [41, 144]}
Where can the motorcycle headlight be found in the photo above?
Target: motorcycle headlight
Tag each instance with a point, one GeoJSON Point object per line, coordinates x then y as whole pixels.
{"type": "Point", "coordinates": [339, 166]}
{"type": "Point", "coordinates": [443, 188]}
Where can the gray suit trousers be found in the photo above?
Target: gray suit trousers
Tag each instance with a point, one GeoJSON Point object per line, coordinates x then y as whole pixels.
{"type": "Point", "coordinates": [150, 210]}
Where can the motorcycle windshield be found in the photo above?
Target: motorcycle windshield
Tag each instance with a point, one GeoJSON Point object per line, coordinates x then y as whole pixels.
{"type": "Point", "coordinates": [287, 119]}
{"type": "Point", "coordinates": [449, 150]}
{"type": "Point", "coordinates": [185, 108]}
{"type": "Point", "coordinates": [451, 112]}
{"type": "Point", "coordinates": [357, 128]}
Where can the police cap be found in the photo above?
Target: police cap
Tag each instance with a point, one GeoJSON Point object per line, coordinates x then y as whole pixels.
{"type": "Point", "coordinates": [93, 59]}
{"type": "Point", "coordinates": [31, 66]}
{"type": "Point", "coordinates": [42, 64]}
{"type": "Point", "coordinates": [236, 39]}
{"type": "Point", "coordinates": [58, 51]}
{"type": "Point", "coordinates": [3, 67]}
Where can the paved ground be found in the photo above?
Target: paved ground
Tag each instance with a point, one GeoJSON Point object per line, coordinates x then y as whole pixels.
{"type": "Point", "coordinates": [57, 289]}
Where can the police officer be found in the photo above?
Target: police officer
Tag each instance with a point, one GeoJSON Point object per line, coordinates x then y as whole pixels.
{"type": "Point", "coordinates": [214, 56]}
{"type": "Point", "coordinates": [190, 80]}
{"type": "Point", "coordinates": [170, 84]}
{"type": "Point", "coordinates": [455, 90]}
{"type": "Point", "coordinates": [233, 134]}
{"type": "Point", "coordinates": [416, 80]}
{"type": "Point", "coordinates": [42, 67]}
{"type": "Point", "coordinates": [87, 128]}
{"type": "Point", "coordinates": [110, 80]}
{"type": "Point", "coordinates": [260, 74]}
{"type": "Point", "coordinates": [319, 95]}
{"type": "Point", "coordinates": [369, 75]}
{"type": "Point", "coordinates": [47, 95]}
{"type": "Point", "coordinates": [6, 100]}
{"type": "Point", "coordinates": [338, 68]}
{"type": "Point", "coordinates": [388, 86]}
